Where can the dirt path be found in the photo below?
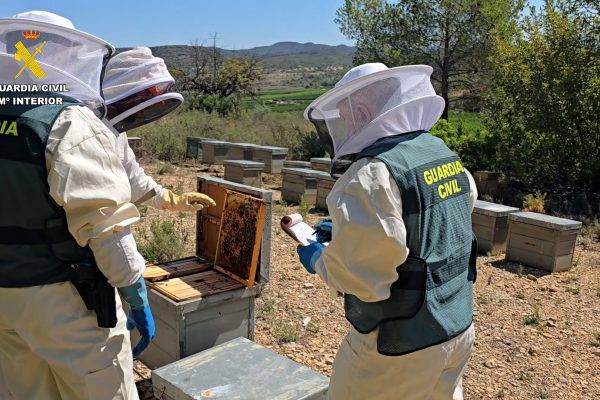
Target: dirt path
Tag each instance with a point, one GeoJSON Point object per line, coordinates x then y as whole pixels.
{"type": "Point", "coordinates": [538, 335]}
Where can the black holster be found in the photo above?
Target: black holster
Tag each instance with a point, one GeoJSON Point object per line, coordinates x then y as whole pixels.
{"type": "Point", "coordinates": [97, 294]}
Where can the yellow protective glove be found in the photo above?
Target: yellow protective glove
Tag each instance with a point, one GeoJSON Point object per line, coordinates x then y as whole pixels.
{"type": "Point", "coordinates": [185, 202]}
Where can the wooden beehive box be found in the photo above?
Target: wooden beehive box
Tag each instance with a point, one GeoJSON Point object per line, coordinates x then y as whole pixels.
{"type": "Point", "coordinates": [201, 301]}
{"type": "Point", "coordinates": [245, 172]}
{"type": "Point", "coordinates": [214, 151]}
{"type": "Point", "coordinates": [194, 147]}
{"type": "Point", "coordinates": [325, 183]}
{"type": "Point", "coordinates": [541, 241]}
{"type": "Point", "coordinates": [240, 151]}
{"type": "Point", "coordinates": [320, 164]}
{"type": "Point", "coordinates": [239, 369]}
{"type": "Point", "coordinates": [298, 183]}
{"type": "Point", "coordinates": [490, 225]}
{"type": "Point", "coordinates": [272, 157]}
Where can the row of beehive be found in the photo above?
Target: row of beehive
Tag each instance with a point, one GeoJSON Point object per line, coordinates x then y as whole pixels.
{"type": "Point", "coordinates": [216, 152]}
{"type": "Point", "coordinates": [533, 239]}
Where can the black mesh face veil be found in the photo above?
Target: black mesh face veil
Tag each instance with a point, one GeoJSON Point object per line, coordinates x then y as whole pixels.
{"type": "Point", "coordinates": [148, 114]}
{"type": "Point", "coordinates": [322, 132]}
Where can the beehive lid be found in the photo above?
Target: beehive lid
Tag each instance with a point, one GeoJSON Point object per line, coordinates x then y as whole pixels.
{"type": "Point", "coordinates": [305, 172]}
{"type": "Point", "coordinates": [245, 164]}
{"type": "Point", "coordinates": [321, 160]}
{"type": "Point", "coordinates": [243, 145]}
{"type": "Point", "coordinates": [212, 141]}
{"type": "Point", "coordinates": [493, 209]}
{"type": "Point", "coordinates": [273, 149]}
{"type": "Point", "coordinates": [296, 164]}
{"type": "Point", "coordinates": [543, 220]}
{"type": "Point", "coordinates": [322, 175]}
{"type": "Point", "coordinates": [239, 369]}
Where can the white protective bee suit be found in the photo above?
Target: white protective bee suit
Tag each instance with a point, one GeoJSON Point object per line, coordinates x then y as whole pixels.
{"type": "Point", "coordinates": [136, 90]}
{"type": "Point", "coordinates": [50, 344]}
{"type": "Point", "coordinates": [369, 241]}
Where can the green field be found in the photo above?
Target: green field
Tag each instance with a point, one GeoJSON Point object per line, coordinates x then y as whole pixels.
{"type": "Point", "coordinates": [284, 100]}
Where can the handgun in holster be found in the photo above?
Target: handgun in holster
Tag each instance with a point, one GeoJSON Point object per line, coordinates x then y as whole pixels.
{"type": "Point", "coordinates": [97, 294]}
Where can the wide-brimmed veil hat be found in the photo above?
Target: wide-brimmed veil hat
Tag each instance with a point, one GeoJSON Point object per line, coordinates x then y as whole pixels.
{"type": "Point", "coordinates": [373, 101]}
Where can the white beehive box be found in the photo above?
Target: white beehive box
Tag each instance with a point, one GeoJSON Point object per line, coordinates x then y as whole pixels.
{"type": "Point", "coordinates": [240, 151]}
{"type": "Point", "coordinates": [490, 225]}
{"type": "Point", "coordinates": [214, 151]}
{"type": "Point", "coordinates": [202, 301]}
{"type": "Point", "coordinates": [299, 183]}
{"type": "Point", "coordinates": [541, 241]}
{"type": "Point", "coordinates": [296, 164]}
{"type": "Point", "coordinates": [245, 172]}
{"type": "Point", "coordinates": [239, 369]}
{"type": "Point", "coordinates": [272, 157]}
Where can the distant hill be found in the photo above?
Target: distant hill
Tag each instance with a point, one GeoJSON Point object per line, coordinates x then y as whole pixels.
{"type": "Point", "coordinates": [278, 56]}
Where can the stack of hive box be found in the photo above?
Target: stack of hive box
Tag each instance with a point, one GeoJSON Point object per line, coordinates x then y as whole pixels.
{"type": "Point", "coordinates": [245, 172]}
{"type": "Point", "coordinates": [214, 151]}
{"type": "Point", "coordinates": [272, 157]}
{"type": "Point", "coordinates": [298, 184]}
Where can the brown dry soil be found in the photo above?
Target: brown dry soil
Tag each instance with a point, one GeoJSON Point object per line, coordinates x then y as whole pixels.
{"type": "Point", "coordinates": [538, 334]}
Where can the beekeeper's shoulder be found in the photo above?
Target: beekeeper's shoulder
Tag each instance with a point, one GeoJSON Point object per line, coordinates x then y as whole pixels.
{"type": "Point", "coordinates": [74, 125]}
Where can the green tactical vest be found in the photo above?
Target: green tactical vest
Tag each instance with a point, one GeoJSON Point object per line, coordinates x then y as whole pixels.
{"type": "Point", "coordinates": [431, 302]}
{"type": "Point", "coordinates": [36, 247]}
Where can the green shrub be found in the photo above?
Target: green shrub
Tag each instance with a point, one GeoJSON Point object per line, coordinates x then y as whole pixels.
{"type": "Point", "coordinates": [164, 242]}
{"type": "Point", "coordinates": [534, 202]}
{"type": "Point", "coordinates": [534, 318]}
{"type": "Point", "coordinates": [284, 332]}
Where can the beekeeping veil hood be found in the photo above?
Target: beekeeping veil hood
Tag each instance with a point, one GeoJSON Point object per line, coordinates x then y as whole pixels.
{"type": "Point", "coordinates": [372, 101]}
{"type": "Point", "coordinates": [136, 88]}
{"type": "Point", "coordinates": [39, 47]}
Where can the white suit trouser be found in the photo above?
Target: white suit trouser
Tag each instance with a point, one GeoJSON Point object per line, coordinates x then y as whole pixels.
{"type": "Point", "coordinates": [434, 373]}
{"type": "Point", "coordinates": [51, 347]}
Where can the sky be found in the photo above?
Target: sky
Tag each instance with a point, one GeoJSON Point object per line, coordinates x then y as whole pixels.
{"type": "Point", "coordinates": [239, 24]}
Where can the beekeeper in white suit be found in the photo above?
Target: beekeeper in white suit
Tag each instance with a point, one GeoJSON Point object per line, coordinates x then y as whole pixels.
{"type": "Point", "coordinates": [402, 250]}
{"type": "Point", "coordinates": [65, 217]}
{"type": "Point", "coordinates": [136, 89]}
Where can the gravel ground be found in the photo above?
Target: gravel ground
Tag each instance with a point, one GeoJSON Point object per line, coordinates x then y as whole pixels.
{"type": "Point", "coordinates": [538, 334]}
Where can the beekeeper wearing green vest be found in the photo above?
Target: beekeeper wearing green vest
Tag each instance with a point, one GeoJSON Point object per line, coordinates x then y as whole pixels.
{"type": "Point", "coordinates": [65, 217]}
{"type": "Point", "coordinates": [401, 246]}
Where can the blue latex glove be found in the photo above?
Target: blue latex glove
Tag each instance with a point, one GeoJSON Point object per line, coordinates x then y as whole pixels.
{"type": "Point", "coordinates": [324, 230]}
{"type": "Point", "coordinates": [309, 255]}
{"type": "Point", "coordinates": [140, 316]}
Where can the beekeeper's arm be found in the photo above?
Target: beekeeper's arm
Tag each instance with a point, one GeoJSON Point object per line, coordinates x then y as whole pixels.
{"type": "Point", "coordinates": [144, 190]}
{"type": "Point", "coordinates": [143, 187]}
{"type": "Point", "coordinates": [369, 236]}
{"type": "Point", "coordinates": [87, 179]}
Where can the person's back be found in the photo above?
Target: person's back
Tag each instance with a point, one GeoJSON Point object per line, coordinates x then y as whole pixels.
{"type": "Point", "coordinates": [402, 248]}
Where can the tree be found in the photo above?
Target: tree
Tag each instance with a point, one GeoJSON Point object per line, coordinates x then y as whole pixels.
{"type": "Point", "coordinates": [545, 102]}
{"type": "Point", "coordinates": [218, 83]}
{"type": "Point", "coordinates": [453, 36]}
